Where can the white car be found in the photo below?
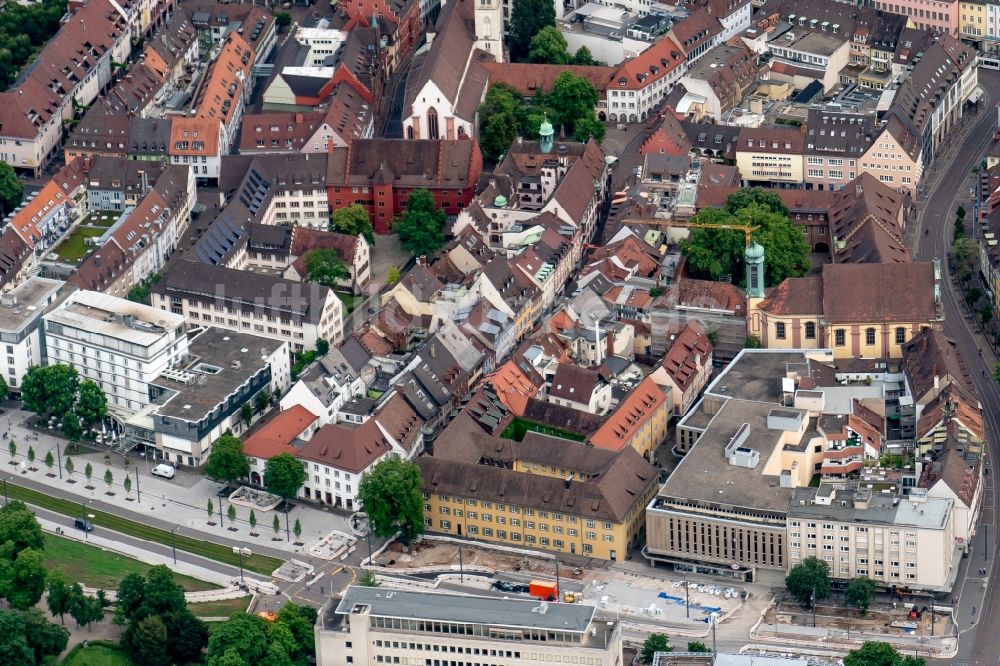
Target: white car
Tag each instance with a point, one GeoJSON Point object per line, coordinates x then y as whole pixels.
{"type": "Point", "coordinates": [166, 471]}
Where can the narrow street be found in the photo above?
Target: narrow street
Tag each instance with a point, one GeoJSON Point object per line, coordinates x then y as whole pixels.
{"type": "Point", "coordinates": [980, 642]}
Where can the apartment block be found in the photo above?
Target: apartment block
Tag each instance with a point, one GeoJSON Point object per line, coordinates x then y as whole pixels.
{"type": "Point", "coordinates": [895, 541]}
{"type": "Point", "coordinates": [369, 626]}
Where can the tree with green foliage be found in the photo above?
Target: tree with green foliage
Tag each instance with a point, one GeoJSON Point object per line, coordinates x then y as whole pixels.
{"type": "Point", "coordinates": [583, 56]}
{"type": "Point", "coordinates": [83, 609]}
{"type": "Point", "coordinates": [226, 461]}
{"type": "Point", "coordinates": [876, 653]}
{"type": "Point", "coordinates": [253, 522]}
{"type": "Point", "coordinates": [500, 120]}
{"type": "Point", "coordinates": [146, 642]}
{"type": "Point", "coordinates": [697, 646]}
{"type": "Point", "coordinates": [246, 413]}
{"type": "Point", "coordinates": [11, 189]}
{"type": "Point", "coordinates": [986, 314]}
{"type": "Point", "coordinates": [88, 472]}
{"type": "Point", "coordinates": [756, 196]}
{"type": "Point", "coordinates": [297, 529]}
{"type": "Point", "coordinates": [31, 457]}
{"type": "Point", "coordinates": [22, 580]}
{"type": "Point", "coordinates": [393, 276]}
{"type": "Point", "coordinates": [109, 479]}
{"type": "Point", "coordinates": [4, 389]}
{"type": "Point", "coordinates": [573, 99]}
{"type": "Point", "coordinates": [964, 258]}
{"type": "Point", "coordinates": [322, 347]}
{"type": "Point", "coordinates": [859, 593]}
{"type": "Point", "coordinates": [245, 635]}
{"type": "Point", "coordinates": [712, 253]}
{"type": "Point", "coordinates": [50, 389]}
{"type": "Point", "coordinates": [392, 498]}
{"type": "Point", "coordinates": [210, 509]}
{"type": "Point", "coordinates": [276, 525]}
{"type": "Point", "coordinates": [71, 427]}
{"type": "Point", "coordinates": [19, 530]}
{"type": "Point", "coordinates": [353, 221]}
{"type": "Point", "coordinates": [27, 637]}
{"type": "Point", "coordinates": [12, 449]}
{"type": "Point", "coordinates": [527, 19]}
{"type": "Point", "coordinates": [127, 485]}
{"type": "Point", "coordinates": [70, 467]}
{"type": "Point", "coordinates": [324, 266]}
{"type": "Point", "coordinates": [284, 475]}
{"type": "Point", "coordinates": [46, 639]}
{"type": "Point", "coordinates": [588, 127]}
{"type": "Point", "coordinates": [282, 19]}
{"type": "Point", "coordinates": [58, 595]}
{"type": "Point", "coordinates": [50, 461]}
{"type": "Point", "coordinates": [368, 579]}
{"type": "Point", "coordinates": [549, 46]}
{"type": "Point", "coordinates": [188, 636]}
{"type": "Point", "coordinates": [91, 403]}
{"type": "Point", "coordinates": [262, 398]}
{"type": "Point", "coordinates": [300, 620]}
{"type": "Point", "coordinates": [231, 514]}
{"type": "Point", "coordinates": [654, 643]}
{"type": "Point", "coordinates": [156, 593]}
{"type": "Point", "coordinates": [14, 646]}
{"type": "Point", "coordinates": [809, 581]}
{"type": "Point", "coordinates": [421, 227]}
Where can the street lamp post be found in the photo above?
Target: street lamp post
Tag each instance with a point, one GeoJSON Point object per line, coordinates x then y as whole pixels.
{"type": "Point", "coordinates": [461, 569]}
{"type": "Point", "coordinates": [241, 551]}
{"type": "Point", "coordinates": [6, 500]}
{"type": "Point", "coordinates": [173, 542]}
{"type": "Point", "coordinates": [369, 535]}
{"type": "Point", "coordinates": [83, 517]}
{"type": "Point", "coordinates": [687, 597]}
{"type": "Point", "coordinates": [714, 617]}
{"type": "Point", "coordinates": [59, 460]}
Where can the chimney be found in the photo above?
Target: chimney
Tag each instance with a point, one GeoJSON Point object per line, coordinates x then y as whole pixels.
{"type": "Point", "coordinates": [611, 342]}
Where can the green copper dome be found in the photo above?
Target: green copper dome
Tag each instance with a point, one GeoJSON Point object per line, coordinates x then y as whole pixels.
{"type": "Point", "coordinates": [500, 201]}
{"type": "Point", "coordinates": [754, 251]}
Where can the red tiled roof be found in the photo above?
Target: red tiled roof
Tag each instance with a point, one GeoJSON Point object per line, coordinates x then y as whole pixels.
{"type": "Point", "coordinates": [276, 436]}
{"type": "Point", "coordinates": [635, 410]}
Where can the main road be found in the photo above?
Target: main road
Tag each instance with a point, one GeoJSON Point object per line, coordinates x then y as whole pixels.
{"type": "Point", "coordinates": [977, 612]}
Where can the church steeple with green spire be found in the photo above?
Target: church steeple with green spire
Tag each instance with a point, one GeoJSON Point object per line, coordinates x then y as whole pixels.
{"type": "Point", "coordinates": [546, 134]}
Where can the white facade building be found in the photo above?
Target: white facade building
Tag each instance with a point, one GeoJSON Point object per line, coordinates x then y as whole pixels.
{"type": "Point", "coordinates": [21, 326]}
{"type": "Point", "coordinates": [897, 542]}
{"type": "Point", "coordinates": [368, 626]}
{"type": "Point", "coordinates": [121, 345]}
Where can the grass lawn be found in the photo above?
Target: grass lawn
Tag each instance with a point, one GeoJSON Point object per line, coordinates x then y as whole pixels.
{"type": "Point", "coordinates": [519, 427]}
{"type": "Point", "coordinates": [95, 567]}
{"type": "Point", "coordinates": [197, 545]}
{"type": "Point", "coordinates": [223, 608]}
{"type": "Point", "coordinates": [103, 218]}
{"type": "Point", "coordinates": [97, 655]}
{"type": "Point", "coordinates": [73, 248]}
{"type": "Point", "coordinates": [350, 301]}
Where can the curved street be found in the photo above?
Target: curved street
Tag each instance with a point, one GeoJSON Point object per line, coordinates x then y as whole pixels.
{"type": "Point", "coordinates": [948, 184]}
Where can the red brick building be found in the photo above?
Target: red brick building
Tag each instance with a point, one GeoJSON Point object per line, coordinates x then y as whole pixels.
{"type": "Point", "coordinates": [379, 174]}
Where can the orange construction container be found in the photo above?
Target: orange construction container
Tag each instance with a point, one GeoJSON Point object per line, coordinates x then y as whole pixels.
{"type": "Point", "coordinates": [544, 589]}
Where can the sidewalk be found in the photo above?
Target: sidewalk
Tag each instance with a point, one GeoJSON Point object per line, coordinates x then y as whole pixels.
{"type": "Point", "coordinates": [182, 500]}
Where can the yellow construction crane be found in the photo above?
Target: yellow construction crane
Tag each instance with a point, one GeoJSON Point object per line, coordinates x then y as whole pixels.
{"type": "Point", "coordinates": [745, 228]}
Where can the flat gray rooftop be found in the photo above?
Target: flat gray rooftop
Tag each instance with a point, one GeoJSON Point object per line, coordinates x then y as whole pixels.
{"type": "Point", "coordinates": [704, 474]}
{"type": "Point", "coordinates": [757, 374]}
{"type": "Point", "coordinates": [931, 514]}
{"type": "Point", "coordinates": [219, 349]}
{"type": "Point", "coordinates": [26, 303]}
{"type": "Point", "coordinates": [493, 611]}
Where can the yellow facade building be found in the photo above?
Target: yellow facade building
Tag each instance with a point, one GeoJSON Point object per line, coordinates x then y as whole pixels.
{"type": "Point", "coordinates": [543, 493]}
{"type": "Point", "coordinates": [972, 20]}
{"type": "Point", "coordinates": [857, 310]}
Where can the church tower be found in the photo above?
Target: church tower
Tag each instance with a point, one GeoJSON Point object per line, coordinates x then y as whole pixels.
{"type": "Point", "coordinates": [489, 26]}
{"type": "Point", "coordinates": [754, 259]}
{"type": "Point", "coordinates": [546, 136]}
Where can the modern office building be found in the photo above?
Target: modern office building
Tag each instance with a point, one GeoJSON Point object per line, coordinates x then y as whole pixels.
{"type": "Point", "coordinates": [373, 625]}
{"type": "Point", "coordinates": [198, 398]}
{"type": "Point", "coordinates": [21, 325]}
{"type": "Point", "coordinates": [121, 345]}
